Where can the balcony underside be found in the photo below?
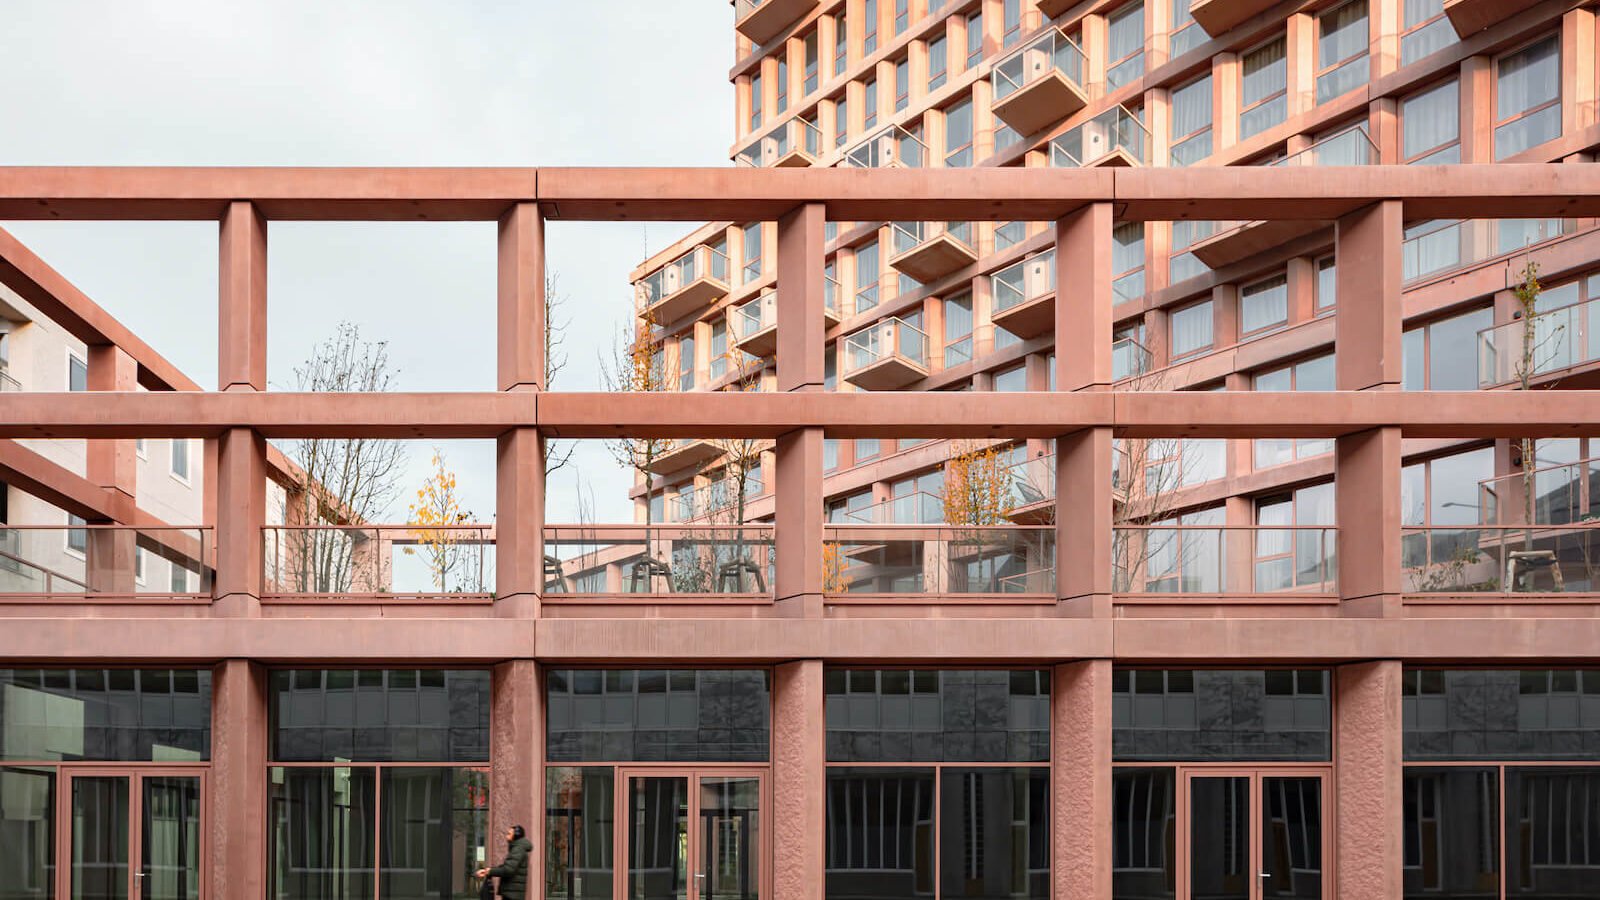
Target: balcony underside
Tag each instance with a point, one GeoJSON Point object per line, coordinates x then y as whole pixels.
{"type": "Point", "coordinates": [762, 343]}
{"type": "Point", "coordinates": [794, 159]}
{"type": "Point", "coordinates": [768, 20]}
{"type": "Point", "coordinates": [1052, 8]}
{"type": "Point", "coordinates": [1469, 17]}
{"type": "Point", "coordinates": [1218, 16]}
{"type": "Point", "coordinates": [691, 299]}
{"type": "Point", "coordinates": [1030, 318]}
{"type": "Point", "coordinates": [1118, 158]}
{"type": "Point", "coordinates": [1046, 100]}
{"type": "Point", "coordinates": [1245, 241]}
{"type": "Point", "coordinates": [684, 455]}
{"type": "Point", "coordinates": [934, 258]}
{"type": "Point", "coordinates": [887, 374]}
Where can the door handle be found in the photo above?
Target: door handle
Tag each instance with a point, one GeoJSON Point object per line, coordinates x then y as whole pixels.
{"type": "Point", "coordinates": [1263, 874]}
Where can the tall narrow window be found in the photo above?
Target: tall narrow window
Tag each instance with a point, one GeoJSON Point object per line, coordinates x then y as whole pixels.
{"type": "Point", "coordinates": [1185, 34]}
{"type": "Point", "coordinates": [974, 39]}
{"type": "Point", "coordinates": [1425, 30]}
{"type": "Point", "coordinates": [77, 374]}
{"type": "Point", "coordinates": [718, 358]}
{"type": "Point", "coordinates": [866, 276]}
{"type": "Point", "coordinates": [1327, 284]}
{"type": "Point", "coordinates": [1010, 22]}
{"type": "Point", "coordinates": [938, 63]}
{"type": "Point", "coordinates": [1125, 45]}
{"type": "Point", "coordinates": [869, 105]}
{"type": "Point", "coordinates": [755, 101]}
{"type": "Point", "coordinates": [1264, 305]}
{"type": "Point", "coordinates": [958, 135]}
{"type": "Point", "coordinates": [811, 52]}
{"type": "Point", "coordinates": [957, 330]}
{"type": "Point", "coordinates": [1127, 262]}
{"type": "Point", "coordinates": [841, 44]}
{"type": "Point", "coordinates": [1528, 97]}
{"type": "Point", "coordinates": [1430, 126]}
{"type": "Point", "coordinates": [686, 362]}
{"type": "Point", "coordinates": [1263, 88]}
{"type": "Point", "coordinates": [902, 16]}
{"type": "Point", "coordinates": [1191, 122]}
{"type": "Point", "coordinates": [869, 31]}
{"type": "Point", "coordinates": [783, 86]}
{"type": "Point", "coordinates": [1191, 329]}
{"type": "Point", "coordinates": [752, 252]}
{"type": "Point", "coordinates": [1342, 50]}
{"type": "Point", "coordinates": [902, 84]}
{"type": "Point", "coordinates": [1301, 557]}
{"type": "Point", "coordinates": [841, 122]}
{"type": "Point", "coordinates": [180, 458]}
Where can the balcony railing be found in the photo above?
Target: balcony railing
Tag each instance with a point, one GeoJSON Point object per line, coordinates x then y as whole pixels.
{"type": "Point", "coordinates": [381, 562]}
{"type": "Point", "coordinates": [763, 20]}
{"type": "Point", "coordinates": [1352, 147]}
{"type": "Point", "coordinates": [1115, 137]}
{"type": "Point", "coordinates": [8, 384]}
{"type": "Point", "coordinates": [1205, 559]}
{"type": "Point", "coordinates": [1130, 359]}
{"type": "Point", "coordinates": [886, 355]}
{"type": "Point", "coordinates": [928, 251]}
{"type": "Point", "coordinates": [685, 285]}
{"type": "Point", "coordinates": [1560, 495]}
{"type": "Point", "coordinates": [1538, 345]}
{"type": "Point", "coordinates": [681, 453]}
{"type": "Point", "coordinates": [755, 325]}
{"type": "Point", "coordinates": [888, 148]}
{"type": "Point", "coordinates": [917, 508]}
{"type": "Point", "coordinates": [796, 142]}
{"type": "Point", "coordinates": [1434, 248]}
{"type": "Point", "coordinates": [1022, 295]}
{"type": "Point", "coordinates": [1494, 559]}
{"type": "Point", "coordinates": [1031, 489]}
{"type": "Point", "coordinates": [1041, 82]}
{"type": "Point", "coordinates": [924, 562]}
{"type": "Point", "coordinates": [685, 561]}
{"type": "Point", "coordinates": [105, 561]}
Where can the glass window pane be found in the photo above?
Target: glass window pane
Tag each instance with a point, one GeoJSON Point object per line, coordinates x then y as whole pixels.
{"type": "Point", "coordinates": [580, 816]}
{"type": "Point", "coordinates": [396, 715]}
{"type": "Point", "coordinates": [1552, 831]}
{"type": "Point", "coordinates": [169, 856]}
{"type": "Point", "coordinates": [1291, 838]}
{"type": "Point", "coordinates": [1143, 819]}
{"type": "Point", "coordinates": [1431, 119]}
{"type": "Point", "coordinates": [1453, 351]}
{"type": "Point", "coordinates": [1220, 838]}
{"type": "Point", "coordinates": [1451, 833]}
{"type": "Point", "coordinates": [879, 833]}
{"type": "Point", "coordinates": [124, 715]}
{"type": "Point", "coordinates": [1479, 715]}
{"type": "Point", "coordinates": [708, 715]}
{"type": "Point", "coordinates": [1221, 716]}
{"type": "Point", "coordinates": [1264, 304]}
{"type": "Point", "coordinates": [962, 716]}
{"type": "Point", "coordinates": [1191, 329]}
{"type": "Point", "coordinates": [730, 838]}
{"type": "Point", "coordinates": [994, 833]}
{"type": "Point", "coordinates": [27, 833]}
{"type": "Point", "coordinates": [321, 835]}
{"type": "Point", "coordinates": [435, 831]}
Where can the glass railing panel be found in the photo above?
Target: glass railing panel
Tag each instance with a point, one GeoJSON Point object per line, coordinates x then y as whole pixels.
{"type": "Point", "coordinates": [889, 147]}
{"type": "Point", "coordinates": [1050, 52]}
{"type": "Point", "coordinates": [939, 561]}
{"type": "Point", "coordinates": [908, 235]}
{"type": "Point", "coordinates": [381, 561]}
{"type": "Point", "coordinates": [884, 339]}
{"type": "Point", "coordinates": [1024, 281]}
{"type": "Point", "coordinates": [756, 315]}
{"type": "Point", "coordinates": [1115, 129]}
{"type": "Point", "coordinates": [1548, 495]}
{"type": "Point", "coordinates": [1352, 147]}
{"type": "Point", "coordinates": [1129, 358]}
{"type": "Point", "coordinates": [105, 560]}
{"type": "Point", "coordinates": [1031, 482]}
{"type": "Point", "coordinates": [8, 384]}
{"type": "Point", "coordinates": [1540, 344]}
{"type": "Point", "coordinates": [681, 559]}
{"type": "Point", "coordinates": [1491, 559]}
{"type": "Point", "coordinates": [1199, 559]}
{"type": "Point", "coordinates": [916, 508]}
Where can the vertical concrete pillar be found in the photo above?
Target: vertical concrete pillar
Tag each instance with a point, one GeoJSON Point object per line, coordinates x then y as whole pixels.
{"type": "Point", "coordinates": [110, 466]}
{"type": "Point", "coordinates": [516, 751]}
{"type": "Point", "coordinates": [1084, 539]}
{"type": "Point", "coordinates": [242, 511]}
{"type": "Point", "coordinates": [1367, 780]}
{"type": "Point", "coordinates": [1300, 48]}
{"type": "Point", "coordinates": [242, 313]}
{"type": "Point", "coordinates": [801, 338]}
{"type": "Point", "coordinates": [238, 780]}
{"type": "Point", "coordinates": [1080, 779]}
{"type": "Point", "coordinates": [801, 325]}
{"type": "Point", "coordinates": [241, 366]}
{"type": "Point", "coordinates": [1367, 332]}
{"type": "Point", "coordinates": [1577, 70]}
{"type": "Point", "coordinates": [1225, 81]}
{"type": "Point", "coordinates": [799, 780]}
{"type": "Point", "coordinates": [519, 522]}
{"type": "Point", "coordinates": [1477, 109]}
{"type": "Point", "coordinates": [1083, 299]}
{"type": "Point", "coordinates": [521, 299]}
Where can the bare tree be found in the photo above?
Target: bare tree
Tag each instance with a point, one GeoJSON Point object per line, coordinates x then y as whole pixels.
{"type": "Point", "coordinates": [556, 453]}
{"type": "Point", "coordinates": [638, 365]}
{"type": "Point", "coordinates": [740, 460]}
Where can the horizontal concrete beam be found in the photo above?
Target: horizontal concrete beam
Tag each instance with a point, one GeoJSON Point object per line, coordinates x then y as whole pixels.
{"type": "Point", "coordinates": [1480, 414]}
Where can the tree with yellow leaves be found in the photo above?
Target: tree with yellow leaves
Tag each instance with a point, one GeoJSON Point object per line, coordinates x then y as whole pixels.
{"type": "Point", "coordinates": [436, 519]}
{"type": "Point", "coordinates": [977, 486]}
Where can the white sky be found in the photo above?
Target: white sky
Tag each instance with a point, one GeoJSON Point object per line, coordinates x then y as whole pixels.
{"type": "Point", "coordinates": [367, 83]}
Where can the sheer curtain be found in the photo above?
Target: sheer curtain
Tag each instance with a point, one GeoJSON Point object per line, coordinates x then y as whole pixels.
{"type": "Point", "coordinates": [1432, 119]}
{"type": "Point", "coordinates": [1191, 328]}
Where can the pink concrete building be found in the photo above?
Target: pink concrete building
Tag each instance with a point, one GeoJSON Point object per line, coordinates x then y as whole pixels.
{"type": "Point", "coordinates": [1291, 593]}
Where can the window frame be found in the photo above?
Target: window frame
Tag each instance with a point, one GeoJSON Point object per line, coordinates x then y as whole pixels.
{"type": "Point", "coordinates": [1113, 18]}
{"type": "Point", "coordinates": [811, 61]}
{"type": "Point", "coordinates": [1177, 141]}
{"type": "Point", "coordinates": [1322, 68]}
{"type": "Point", "coordinates": [75, 361]}
{"type": "Point", "coordinates": [1500, 123]}
{"type": "Point", "coordinates": [970, 147]}
{"type": "Point", "coordinates": [1198, 349]}
{"type": "Point", "coordinates": [1423, 157]}
{"type": "Point", "coordinates": [1410, 29]}
{"type": "Point", "coordinates": [1260, 286]}
{"type": "Point", "coordinates": [1263, 102]}
{"type": "Point", "coordinates": [938, 76]}
{"type": "Point", "coordinates": [172, 461]}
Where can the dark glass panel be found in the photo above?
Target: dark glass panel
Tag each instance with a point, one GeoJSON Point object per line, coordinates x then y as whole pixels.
{"type": "Point", "coordinates": [27, 833]}
{"type": "Point", "coordinates": [1452, 833]}
{"type": "Point", "coordinates": [435, 824]}
{"type": "Point", "coordinates": [940, 716]}
{"type": "Point", "coordinates": [1291, 838]}
{"type": "Point", "coordinates": [1478, 715]}
{"type": "Point", "coordinates": [384, 716]}
{"type": "Point", "coordinates": [658, 838]}
{"type": "Point", "coordinates": [1222, 716]}
{"type": "Point", "coordinates": [322, 830]}
{"type": "Point", "coordinates": [994, 833]}
{"type": "Point", "coordinates": [579, 821]}
{"type": "Point", "coordinates": [1552, 832]}
{"type": "Point", "coordinates": [100, 809]}
{"type": "Point", "coordinates": [880, 839]}
{"type": "Point", "coordinates": [730, 838]}
{"type": "Point", "coordinates": [699, 716]}
{"type": "Point", "coordinates": [1219, 838]}
{"type": "Point", "coordinates": [169, 856]}
{"type": "Point", "coordinates": [1144, 843]}
{"type": "Point", "coordinates": [118, 715]}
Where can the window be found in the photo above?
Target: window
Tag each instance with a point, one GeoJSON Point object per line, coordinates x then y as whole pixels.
{"type": "Point", "coordinates": [140, 449]}
{"type": "Point", "coordinates": [1010, 22]}
{"type": "Point", "coordinates": [1311, 375]}
{"type": "Point", "coordinates": [841, 44]}
{"type": "Point", "coordinates": [974, 39]}
{"type": "Point", "coordinates": [686, 362]}
{"type": "Point", "coordinates": [1191, 122]}
{"type": "Point", "coordinates": [957, 330]}
{"type": "Point", "coordinates": [783, 87]}
{"type": "Point", "coordinates": [1127, 262]}
{"type": "Point", "coordinates": [1012, 379]}
{"type": "Point", "coordinates": [869, 34]}
{"type": "Point", "coordinates": [1264, 88]}
{"type": "Point", "coordinates": [958, 135]}
{"type": "Point", "coordinates": [1264, 304]}
{"type": "Point", "coordinates": [718, 361]}
{"type": "Point", "coordinates": [180, 580]}
{"type": "Point", "coordinates": [1425, 31]}
{"type": "Point", "coordinates": [102, 715]}
{"type": "Point", "coordinates": [875, 715]}
{"type": "Point", "coordinates": [752, 252]}
{"type": "Point", "coordinates": [1430, 246]}
{"type": "Point", "coordinates": [755, 101]}
{"type": "Point", "coordinates": [77, 534]}
{"type": "Point", "coordinates": [866, 276]}
{"type": "Point", "coordinates": [1182, 264]}
{"type": "Point", "coordinates": [869, 105]}
{"type": "Point", "coordinates": [902, 15]}
{"type": "Point", "coordinates": [1512, 235]}
{"type": "Point", "coordinates": [180, 458]}
{"type": "Point", "coordinates": [77, 373]}
{"type": "Point", "coordinates": [1431, 125]}
{"type": "Point", "coordinates": [1191, 329]}
{"type": "Point", "coordinates": [665, 715]}
{"type": "Point", "coordinates": [1288, 554]}
{"type": "Point", "coordinates": [1180, 714]}
{"type": "Point", "coordinates": [1007, 234]}
{"type": "Point", "coordinates": [1005, 137]}
{"type": "Point", "coordinates": [841, 122]}
{"type": "Point", "coordinates": [1342, 50]}
{"type": "Point", "coordinates": [938, 63]}
{"type": "Point", "coordinates": [866, 448]}
{"type": "Point", "coordinates": [1528, 97]}
{"type": "Point", "coordinates": [811, 55]}
{"type": "Point", "coordinates": [830, 454]}
{"type": "Point", "coordinates": [1327, 284]}
{"type": "Point", "coordinates": [902, 84]}
{"type": "Point", "coordinates": [1185, 34]}
{"type": "Point", "coordinates": [1443, 355]}
{"type": "Point", "coordinates": [917, 500]}
{"type": "Point", "coordinates": [1125, 45]}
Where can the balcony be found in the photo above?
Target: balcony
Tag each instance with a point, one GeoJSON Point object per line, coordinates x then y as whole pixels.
{"type": "Point", "coordinates": [1130, 359]}
{"type": "Point", "coordinates": [923, 563]}
{"type": "Point", "coordinates": [1206, 560]}
{"type": "Point", "coordinates": [830, 300]}
{"type": "Point", "coordinates": [1219, 16]}
{"type": "Point", "coordinates": [886, 356]}
{"type": "Point", "coordinates": [679, 562]}
{"type": "Point", "coordinates": [682, 453]}
{"type": "Point", "coordinates": [1496, 559]}
{"type": "Point", "coordinates": [1024, 298]}
{"type": "Point", "coordinates": [379, 563]}
{"type": "Point", "coordinates": [1031, 490]}
{"type": "Point", "coordinates": [113, 562]}
{"type": "Point", "coordinates": [889, 148]}
{"type": "Point", "coordinates": [755, 325]}
{"type": "Point", "coordinates": [1115, 138]}
{"type": "Point", "coordinates": [793, 143]}
{"type": "Point", "coordinates": [686, 286]}
{"type": "Point", "coordinates": [916, 508]}
{"type": "Point", "coordinates": [1347, 148]}
{"type": "Point", "coordinates": [763, 20]}
{"type": "Point", "coordinates": [1539, 347]}
{"type": "Point", "coordinates": [1469, 17]}
{"type": "Point", "coordinates": [8, 384]}
{"type": "Point", "coordinates": [1039, 84]}
{"type": "Point", "coordinates": [1549, 495]}
{"type": "Point", "coordinates": [928, 251]}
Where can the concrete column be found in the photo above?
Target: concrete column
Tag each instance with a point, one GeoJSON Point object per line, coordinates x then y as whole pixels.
{"type": "Point", "coordinates": [111, 466]}
{"type": "Point", "coordinates": [797, 486]}
{"type": "Point", "coordinates": [242, 511]}
{"type": "Point", "coordinates": [237, 795]}
{"type": "Point", "coordinates": [1577, 70]}
{"type": "Point", "coordinates": [519, 522]}
{"type": "Point", "coordinates": [1367, 496]}
{"type": "Point", "coordinates": [1080, 779]}
{"type": "Point", "coordinates": [1225, 81]}
{"type": "Point", "coordinates": [1083, 539]}
{"type": "Point", "coordinates": [799, 780]}
{"type": "Point", "coordinates": [1477, 109]}
{"type": "Point", "coordinates": [1367, 332]}
{"type": "Point", "coordinates": [516, 751]}
{"type": "Point", "coordinates": [801, 325]}
{"type": "Point", "coordinates": [242, 311]}
{"type": "Point", "coordinates": [797, 500]}
{"type": "Point", "coordinates": [1367, 779]}
{"type": "Point", "coordinates": [1083, 299]}
{"type": "Point", "coordinates": [521, 299]}
{"type": "Point", "coordinates": [1300, 50]}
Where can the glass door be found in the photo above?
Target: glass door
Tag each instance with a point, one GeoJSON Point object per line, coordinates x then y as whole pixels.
{"type": "Point", "coordinates": [691, 835]}
{"type": "Point", "coordinates": [101, 811]}
{"type": "Point", "coordinates": [1254, 835]}
{"type": "Point", "coordinates": [132, 835]}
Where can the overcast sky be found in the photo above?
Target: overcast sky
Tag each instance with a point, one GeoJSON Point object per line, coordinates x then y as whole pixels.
{"type": "Point", "coordinates": [366, 83]}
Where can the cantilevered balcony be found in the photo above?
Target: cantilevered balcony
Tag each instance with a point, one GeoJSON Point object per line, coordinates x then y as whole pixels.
{"type": "Point", "coordinates": [888, 148]}
{"type": "Point", "coordinates": [928, 251]}
{"type": "Point", "coordinates": [1560, 343]}
{"type": "Point", "coordinates": [793, 143]}
{"type": "Point", "coordinates": [1024, 296]}
{"type": "Point", "coordinates": [1031, 490]}
{"type": "Point", "coordinates": [1548, 495]}
{"type": "Point", "coordinates": [685, 286]}
{"type": "Point", "coordinates": [1469, 17]}
{"type": "Point", "coordinates": [1040, 83]}
{"type": "Point", "coordinates": [1218, 16]}
{"type": "Point", "coordinates": [763, 20]}
{"type": "Point", "coordinates": [886, 356]}
{"type": "Point", "coordinates": [1129, 359]}
{"type": "Point", "coordinates": [938, 562]}
{"type": "Point", "coordinates": [1347, 148]}
{"type": "Point", "coordinates": [682, 454]}
{"type": "Point", "coordinates": [1113, 138]}
{"type": "Point", "coordinates": [755, 325]}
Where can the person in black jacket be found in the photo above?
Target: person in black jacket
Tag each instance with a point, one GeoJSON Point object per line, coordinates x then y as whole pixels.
{"type": "Point", "coordinates": [513, 870]}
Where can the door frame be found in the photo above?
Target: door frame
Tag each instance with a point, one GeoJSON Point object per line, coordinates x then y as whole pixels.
{"type": "Point", "coordinates": [1254, 775]}
{"type": "Point", "coordinates": [624, 773]}
{"type": "Point", "coordinates": [135, 773]}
